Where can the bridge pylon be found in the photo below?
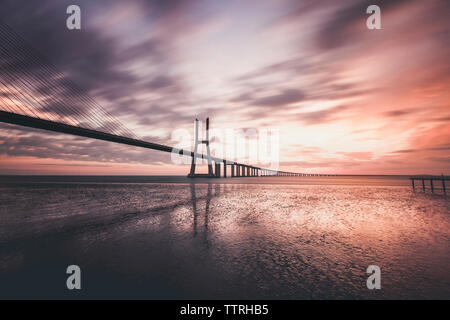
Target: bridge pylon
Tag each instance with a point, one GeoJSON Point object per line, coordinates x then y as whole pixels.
{"type": "Point", "coordinates": [210, 173]}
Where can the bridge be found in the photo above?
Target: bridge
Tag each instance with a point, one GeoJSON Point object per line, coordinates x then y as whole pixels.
{"type": "Point", "coordinates": [34, 93]}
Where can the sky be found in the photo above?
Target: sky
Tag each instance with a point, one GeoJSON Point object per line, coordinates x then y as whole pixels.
{"type": "Point", "coordinates": [344, 99]}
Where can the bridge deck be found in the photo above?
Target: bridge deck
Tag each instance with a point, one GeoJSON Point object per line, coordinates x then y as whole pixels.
{"type": "Point", "coordinates": [32, 122]}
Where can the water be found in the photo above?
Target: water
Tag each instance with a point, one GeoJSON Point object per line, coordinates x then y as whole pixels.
{"type": "Point", "coordinates": [240, 238]}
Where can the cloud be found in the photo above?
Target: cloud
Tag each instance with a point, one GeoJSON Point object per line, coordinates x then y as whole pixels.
{"type": "Point", "coordinates": [399, 113]}
{"type": "Point", "coordinates": [286, 97]}
{"type": "Point", "coordinates": [162, 82]}
{"type": "Point", "coordinates": [321, 116]}
{"type": "Point", "coordinates": [320, 163]}
{"type": "Point", "coordinates": [435, 147]}
{"type": "Point", "coordinates": [346, 26]}
{"type": "Point", "coordinates": [96, 63]}
{"type": "Point", "coordinates": [307, 66]}
{"type": "Point", "coordinates": [23, 141]}
{"type": "Point", "coordinates": [40, 145]}
{"type": "Point", "coordinates": [404, 151]}
{"type": "Point", "coordinates": [357, 156]}
{"type": "Point", "coordinates": [440, 159]}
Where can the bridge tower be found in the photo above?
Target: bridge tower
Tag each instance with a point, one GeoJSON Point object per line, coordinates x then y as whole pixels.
{"type": "Point", "coordinates": [210, 173]}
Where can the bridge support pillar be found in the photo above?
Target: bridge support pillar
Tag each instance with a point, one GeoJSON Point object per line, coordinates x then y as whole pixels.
{"type": "Point", "coordinates": [217, 169]}
{"type": "Point", "coordinates": [224, 169]}
{"type": "Point", "coordinates": [210, 173]}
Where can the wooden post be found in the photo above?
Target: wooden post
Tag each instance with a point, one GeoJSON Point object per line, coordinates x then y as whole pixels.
{"type": "Point", "coordinates": [443, 184]}
{"type": "Point", "coordinates": [431, 184]}
{"type": "Point", "coordinates": [412, 181]}
{"type": "Point", "coordinates": [423, 184]}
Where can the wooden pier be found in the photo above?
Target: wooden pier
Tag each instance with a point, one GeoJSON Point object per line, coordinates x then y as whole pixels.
{"type": "Point", "coordinates": [434, 182]}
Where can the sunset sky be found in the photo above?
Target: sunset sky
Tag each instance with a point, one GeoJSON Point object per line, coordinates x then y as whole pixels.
{"type": "Point", "coordinates": [345, 99]}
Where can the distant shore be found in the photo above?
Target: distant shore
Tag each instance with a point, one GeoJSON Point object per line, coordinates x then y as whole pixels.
{"type": "Point", "coordinates": [394, 180]}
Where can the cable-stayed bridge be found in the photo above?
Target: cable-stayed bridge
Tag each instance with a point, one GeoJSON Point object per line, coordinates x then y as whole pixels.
{"type": "Point", "coordinates": [35, 94]}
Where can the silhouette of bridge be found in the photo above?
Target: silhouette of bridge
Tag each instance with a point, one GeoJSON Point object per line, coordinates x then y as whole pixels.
{"type": "Point", "coordinates": [35, 94]}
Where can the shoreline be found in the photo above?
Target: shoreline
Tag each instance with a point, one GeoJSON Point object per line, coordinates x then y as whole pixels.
{"type": "Point", "coordinates": [314, 180]}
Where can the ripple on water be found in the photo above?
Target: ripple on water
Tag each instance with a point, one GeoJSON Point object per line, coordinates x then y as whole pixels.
{"type": "Point", "coordinates": [233, 241]}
